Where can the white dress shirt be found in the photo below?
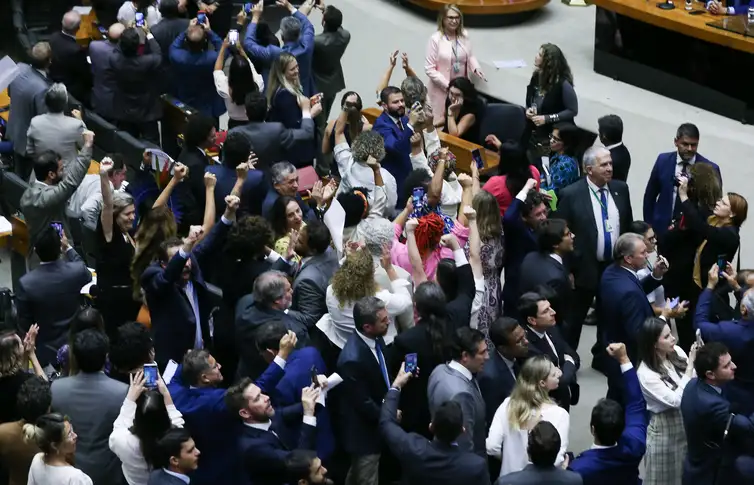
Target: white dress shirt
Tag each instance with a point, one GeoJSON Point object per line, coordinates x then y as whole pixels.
{"type": "Point", "coordinates": [613, 218]}
{"type": "Point", "coordinates": [659, 395]}
{"type": "Point", "coordinates": [657, 296]}
{"type": "Point", "coordinates": [356, 174]}
{"type": "Point", "coordinates": [509, 443]}
{"type": "Point", "coordinates": [126, 445]}
{"type": "Point", "coordinates": [461, 369]}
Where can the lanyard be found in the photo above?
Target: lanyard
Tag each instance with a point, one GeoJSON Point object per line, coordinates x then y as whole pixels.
{"type": "Point", "coordinates": [599, 200]}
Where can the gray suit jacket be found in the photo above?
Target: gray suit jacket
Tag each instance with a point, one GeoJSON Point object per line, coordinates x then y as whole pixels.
{"type": "Point", "coordinates": [329, 48]}
{"type": "Point", "coordinates": [56, 132]}
{"type": "Point", "coordinates": [272, 142]}
{"type": "Point", "coordinates": [27, 92]}
{"type": "Point", "coordinates": [42, 204]}
{"type": "Point", "coordinates": [103, 78]}
{"type": "Point", "coordinates": [447, 384]}
{"type": "Point", "coordinates": [160, 477]}
{"type": "Point", "coordinates": [310, 287]}
{"type": "Point", "coordinates": [532, 475]}
{"type": "Point", "coordinates": [92, 402]}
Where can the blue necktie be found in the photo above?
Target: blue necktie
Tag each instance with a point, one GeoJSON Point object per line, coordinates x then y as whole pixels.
{"type": "Point", "coordinates": [608, 248]}
{"type": "Point", "coordinates": [381, 358]}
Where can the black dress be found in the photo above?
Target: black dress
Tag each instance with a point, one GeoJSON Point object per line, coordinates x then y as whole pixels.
{"type": "Point", "coordinates": [115, 300]}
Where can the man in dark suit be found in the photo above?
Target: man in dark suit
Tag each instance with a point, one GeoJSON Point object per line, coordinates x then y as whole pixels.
{"type": "Point", "coordinates": [619, 441]}
{"type": "Point", "coordinates": [284, 180]}
{"type": "Point", "coordinates": [543, 448]}
{"type": "Point", "coordinates": [303, 467]}
{"type": "Point", "coordinates": [50, 295]}
{"type": "Point", "coordinates": [173, 22]}
{"type": "Point", "coordinates": [263, 453]}
{"type": "Point", "coordinates": [545, 338]}
{"type": "Point", "coordinates": [176, 458]}
{"type": "Point", "coordinates": [597, 210]}
{"type": "Point", "coordinates": [199, 134]}
{"type": "Point", "coordinates": [661, 204]}
{"type": "Point", "coordinates": [623, 303]}
{"type": "Point", "coordinates": [178, 298]}
{"type": "Point", "coordinates": [103, 79]}
{"type": "Point", "coordinates": [271, 141]}
{"type": "Point", "coordinates": [546, 267]}
{"type": "Point", "coordinates": [396, 129]}
{"type": "Point", "coordinates": [737, 335]}
{"type": "Point", "coordinates": [27, 100]}
{"type": "Point", "coordinates": [329, 47]}
{"type": "Point", "coordinates": [317, 269]}
{"type": "Point", "coordinates": [236, 173]}
{"type": "Point", "coordinates": [611, 135]}
{"type": "Point", "coordinates": [137, 96]}
{"type": "Point", "coordinates": [525, 213]}
{"type": "Point", "coordinates": [440, 461]}
{"type": "Point", "coordinates": [362, 366]}
{"type": "Point", "coordinates": [69, 65]}
{"type": "Point", "coordinates": [716, 436]}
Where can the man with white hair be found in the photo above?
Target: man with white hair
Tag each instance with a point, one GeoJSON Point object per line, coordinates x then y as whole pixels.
{"type": "Point", "coordinates": [54, 130]}
{"type": "Point", "coordinates": [596, 231]}
{"type": "Point", "coordinates": [69, 65]}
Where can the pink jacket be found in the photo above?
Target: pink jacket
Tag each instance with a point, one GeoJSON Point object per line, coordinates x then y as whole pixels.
{"type": "Point", "coordinates": [399, 251]}
{"type": "Point", "coordinates": [438, 67]}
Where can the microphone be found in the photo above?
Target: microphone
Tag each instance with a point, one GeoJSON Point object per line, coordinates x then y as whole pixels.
{"type": "Point", "coordinates": [667, 5]}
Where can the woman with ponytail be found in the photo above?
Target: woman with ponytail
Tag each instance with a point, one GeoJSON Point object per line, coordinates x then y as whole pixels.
{"type": "Point", "coordinates": [54, 435]}
{"type": "Point", "coordinates": [528, 404]}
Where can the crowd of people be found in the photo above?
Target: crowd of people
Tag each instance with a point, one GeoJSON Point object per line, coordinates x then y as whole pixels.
{"type": "Point", "coordinates": [400, 321]}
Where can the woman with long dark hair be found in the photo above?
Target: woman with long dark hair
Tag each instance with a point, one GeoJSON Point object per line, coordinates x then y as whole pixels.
{"type": "Point", "coordinates": [563, 169]}
{"type": "Point", "coordinates": [357, 123]}
{"type": "Point", "coordinates": [146, 415]}
{"type": "Point", "coordinates": [241, 80]}
{"type": "Point", "coordinates": [287, 221]}
{"type": "Point", "coordinates": [664, 370]}
{"type": "Point", "coordinates": [462, 114]}
{"type": "Point", "coordinates": [514, 171]}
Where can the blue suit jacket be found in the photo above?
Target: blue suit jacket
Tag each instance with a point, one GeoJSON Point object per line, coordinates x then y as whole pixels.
{"type": "Point", "coordinates": [302, 50]}
{"type": "Point", "coordinates": [706, 414]}
{"type": "Point", "coordinates": [659, 194]}
{"type": "Point", "coordinates": [252, 193]}
{"type": "Point", "coordinates": [619, 465]}
{"type": "Point", "coordinates": [197, 86]}
{"type": "Point", "coordinates": [496, 383]}
{"type": "Point", "coordinates": [214, 428]}
{"type": "Point", "coordinates": [738, 336]}
{"type": "Point", "coordinates": [519, 241]}
{"type": "Point", "coordinates": [397, 159]}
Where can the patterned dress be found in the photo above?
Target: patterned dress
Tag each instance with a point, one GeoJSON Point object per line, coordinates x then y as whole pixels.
{"type": "Point", "coordinates": [492, 266]}
{"type": "Point", "coordinates": [564, 171]}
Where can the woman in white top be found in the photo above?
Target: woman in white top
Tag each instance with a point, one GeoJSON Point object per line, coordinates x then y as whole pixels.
{"type": "Point", "coordinates": [149, 8]}
{"type": "Point", "coordinates": [241, 80]}
{"type": "Point", "coordinates": [528, 404]}
{"type": "Point", "coordinates": [664, 370]}
{"type": "Point", "coordinates": [144, 417]}
{"type": "Point", "coordinates": [54, 435]}
{"type": "Point", "coordinates": [353, 281]}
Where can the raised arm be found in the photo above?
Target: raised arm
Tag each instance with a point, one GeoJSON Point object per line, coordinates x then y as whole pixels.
{"type": "Point", "coordinates": [210, 181]}
{"type": "Point", "coordinates": [385, 80]}
{"type": "Point", "coordinates": [106, 216]}
{"type": "Point", "coordinates": [179, 173]}
{"type": "Point", "coordinates": [414, 256]}
{"type": "Point", "coordinates": [75, 173]}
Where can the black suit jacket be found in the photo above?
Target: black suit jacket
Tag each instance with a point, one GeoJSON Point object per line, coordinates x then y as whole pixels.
{"type": "Point", "coordinates": [329, 48]}
{"type": "Point", "coordinates": [496, 383]}
{"type": "Point", "coordinates": [264, 454]}
{"type": "Point", "coordinates": [136, 98]}
{"type": "Point", "coordinates": [568, 392]}
{"type": "Point", "coordinates": [425, 461]}
{"type": "Point", "coordinates": [69, 66]}
{"type": "Point", "coordinates": [542, 269]}
{"type": "Point", "coordinates": [165, 32]}
{"type": "Point", "coordinates": [192, 193]}
{"type": "Point", "coordinates": [621, 162]}
{"type": "Point", "coordinates": [575, 206]}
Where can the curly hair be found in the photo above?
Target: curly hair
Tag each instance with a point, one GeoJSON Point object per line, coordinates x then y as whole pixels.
{"type": "Point", "coordinates": [413, 90]}
{"type": "Point", "coordinates": [355, 278]}
{"type": "Point", "coordinates": [132, 347]}
{"type": "Point", "coordinates": [368, 143]}
{"type": "Point", "coordinates": [375, 234]}
{"type": "Point", "coordinates": [157, 226]}
{"type": "Point", "coordinates": [554, 68]}
{"type": "Point", "coordinates": [11, 353]}
{"type": "Point", "coordinates": [247, 238]}
{"type": "Point", "coordinates": [428, 232]}
{"type": "Point", "coordinates": [450, 163]}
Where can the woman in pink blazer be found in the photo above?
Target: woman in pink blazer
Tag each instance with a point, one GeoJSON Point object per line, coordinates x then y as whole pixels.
{"type": "Point", "coordinates": [449, 56]}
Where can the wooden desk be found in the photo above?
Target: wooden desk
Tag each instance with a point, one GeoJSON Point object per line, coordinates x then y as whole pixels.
{"type": "Point", "coordinates": [88, 30]}
{"type": "Point", "coordinates": [484, 7]}
{"type": "Point", "coordinates": [460, 148]}
{"type": "Point", "coordinates": [676, 55]}
{"type": "Point", "coordinates": [4, 103]}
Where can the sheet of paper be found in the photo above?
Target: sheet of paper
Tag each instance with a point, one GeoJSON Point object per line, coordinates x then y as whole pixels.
{"type": "Point", "coordinates": [335, 220]}
{"type": "Point", "coordinates": [169, 372]}
{"type": "Point", "coordinates": [6, 228]}
{"type": "Point", "coordinates": [509, 64]}
{"type": "Point", "coordinates": [82, 10]}
{"type": "Point", "coordinates": [8, 72]}
{"type": "Point", "coordinates": [85, 289]}
{"type": "Point", "coordinates": [333, 381]}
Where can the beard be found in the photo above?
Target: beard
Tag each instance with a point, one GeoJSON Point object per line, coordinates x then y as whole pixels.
{"type": "Point", "coordinates": [397, 113]}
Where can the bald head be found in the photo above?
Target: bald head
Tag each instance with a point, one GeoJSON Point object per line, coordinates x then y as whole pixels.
{"type": "Point", "coordinates": [71, 22]}
{"type": "Point", "coordinates": [195, 33]}
{"type": "Point", "coordinates": [115, 31]}
{"type": "Point", "coordinates": [41, 55]}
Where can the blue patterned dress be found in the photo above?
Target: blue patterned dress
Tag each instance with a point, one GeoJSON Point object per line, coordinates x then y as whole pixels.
{"type": "Point", "coordinates": [564, 170]}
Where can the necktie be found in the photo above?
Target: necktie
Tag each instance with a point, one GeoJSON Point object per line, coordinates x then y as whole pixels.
{"type": "Point", "coordinates": [380, 344]}
{"type": "Point", "coordinates": [400, 124]}
{"type": "Point", "coordinates": [607, 251]}
{"type": "Point", "coordinates": [677, 212]}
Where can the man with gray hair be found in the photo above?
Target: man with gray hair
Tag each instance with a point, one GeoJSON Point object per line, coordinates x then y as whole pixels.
{"type": "Point", "coordinates": [737, 335]}
{"type": "Point", "coordinates": [297, 33]}
{"type": "Point", "coordinates": [284, 179]}
{"type": "Point", "coordinates": [69, 65]}
{"type": "Point", "coordinates": [54, 130]}
{"type": "Point", "coordinates": [27, 93]}
{"type": "Point", "coordinates": [596, 231]}
{"type": "Point", "coordinates": [622, 304]}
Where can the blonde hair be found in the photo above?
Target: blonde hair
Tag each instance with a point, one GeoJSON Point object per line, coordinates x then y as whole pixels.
{"type": "Point", "coordinates": [460, 31]}
{"type": "Point", "coordinates": [48, 432]}
{"type": "Point", "coordinates": [528, 395]}
{"type": "Point", "coordinates": [355, 278]}
{"type": "Point", "coordinates": [487, 216]}
{"type": "Point", "coordinates": [277, 79]}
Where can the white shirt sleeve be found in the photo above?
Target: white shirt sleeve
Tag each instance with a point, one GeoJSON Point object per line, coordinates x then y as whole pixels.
{"type": "Point", "coordinates": [562, 422]}
{"type": "Point", "coordinates": [221, 83]}
{"type": "Point", "coordinates": [399, 300]}
{"type": "Point", "coordinates": [344, 159]}
{"type": "Point", "coordinates": [257, 77]}
{"type": "Point", "coordinates": [118, 441]}
{"type": "Point", "coordinates": [479, 288]}
{"type": "Point", "coordinates": [431, 141]}
{"type": "Point", "coordinates": [660, 397]}
{"type": "Point", "coordinates": [176, 418]}
{"type": "Point", "coordinates": [496, 434]}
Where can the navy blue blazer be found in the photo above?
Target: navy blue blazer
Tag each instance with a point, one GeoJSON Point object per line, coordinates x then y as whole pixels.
{"type": "Point", "coordinates": [173, 319]}
{"type": "Point", "coordinates": [738, 336]}
{"type": "Point", "coordinates": [568, 392]}
{"type": "Point", "coordinates": [253, 191]}
{"type": "Point", "coordinates": [659, 194]}
{"type": "Point", "coordinates": [520, 240]}
{"type": "Point", "coordinates": [541, 269]}
{"type": "Point", "coordinates": [197, 86]}
{"type": "Point", "coordinates": [361, 397]}
{"type": "Point", "coordinates": [285, 109]}
{"type": "Point", "coordinates": [496, 383]}
{"type": "Point", "coordinates": [619, 465]}
{"type": "Point", "coordinates": [263, 454]}
{"type": "Point", "coordinates": [706, 414]}
{"type": "Point", "coordinates": [161, 477]}
{"type": "Point", "coordinates": [397, 159]}
{"type": "Point", "coordinates": [425, 461]}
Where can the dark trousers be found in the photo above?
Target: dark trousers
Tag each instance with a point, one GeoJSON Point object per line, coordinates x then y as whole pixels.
{"type": "Point", "coordinates": [685, 325]}
{"type": "Point", "coordinates": [146, 130]}
{"type": "Point", "coordinates": [582, 302]}
{"type": "Point", "coordinates": [23, 166]}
